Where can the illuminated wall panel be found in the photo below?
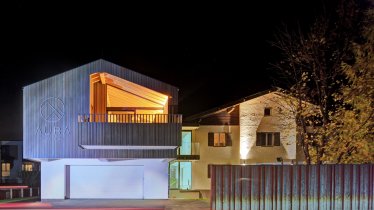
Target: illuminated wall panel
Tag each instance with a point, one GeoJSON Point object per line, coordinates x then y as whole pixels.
{"type": "Point", "coordinates": [252, 120]}
{"type": "Point", "coordinates": [56, 182]}
{"type": "Point", "coordinates": [114, 182]}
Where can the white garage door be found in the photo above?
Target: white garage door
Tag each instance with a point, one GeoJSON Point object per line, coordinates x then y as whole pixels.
{"type": "Point", "coordinates": [115, 182]}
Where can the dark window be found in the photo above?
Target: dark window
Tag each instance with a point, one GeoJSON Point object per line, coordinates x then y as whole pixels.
{"type": "Point", "coordinates": [276, 139]}
{"type": "Point", "coordinates": [267, 139]}
{"type": "Point", "coordinates": [9, 152]}
{"type": "Point", "coordinates": [209, 169]}
{"type": "Point", "coordinates": [219, 140]}
{"type": "Point", "coordinates": [267, 111]}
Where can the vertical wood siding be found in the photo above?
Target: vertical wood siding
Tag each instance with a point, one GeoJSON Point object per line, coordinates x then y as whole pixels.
{"type": "Point", "coordinates": [59, 138]}
{"type": "Point", "coordinates": [131, 134]}
{"type": "Point", "coordinates": [250, 187]}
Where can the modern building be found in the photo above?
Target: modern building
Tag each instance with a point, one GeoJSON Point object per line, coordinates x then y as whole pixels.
{"type": "Point", "coordinates": [14, 169]}
{"type": "Point", "coordinates": [101, 131]}
{"type": "Point", "coordinates": [257, 129]}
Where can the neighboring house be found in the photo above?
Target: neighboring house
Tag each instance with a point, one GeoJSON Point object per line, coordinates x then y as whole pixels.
{"type": "Point", "coordinates": [101, 131]}
{"type": "Point", "coordinates": [258, 129]}
{"type": "Point", "coordinates": [14, 169]}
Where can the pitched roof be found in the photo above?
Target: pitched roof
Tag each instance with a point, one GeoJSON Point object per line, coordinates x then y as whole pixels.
{"type": "Point", "coordinates": [229, 105]}
{"type": "Point", "coordinates": [100, 64]}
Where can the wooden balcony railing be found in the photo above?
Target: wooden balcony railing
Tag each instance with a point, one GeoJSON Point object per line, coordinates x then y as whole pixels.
{"type": "Point", "coordinates": [129, 130]}
{"type": "Point", "coordinates": [130, 118]}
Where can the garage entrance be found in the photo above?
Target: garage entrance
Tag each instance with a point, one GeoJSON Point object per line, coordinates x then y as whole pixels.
{"type": "Point", "coordinates": [104, 182]}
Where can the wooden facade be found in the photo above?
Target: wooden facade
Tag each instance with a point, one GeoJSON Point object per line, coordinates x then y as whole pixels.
{"type": "Point", "coordinates": [130, 132]}
{"type": "Point", "coordinates": [246, 187]}
{"type": "Point", "coordinates": [51, 108]}
{"type": "Point", "coordinates": [227, 116]}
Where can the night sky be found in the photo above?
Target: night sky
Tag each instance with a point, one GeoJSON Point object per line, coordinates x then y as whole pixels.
{"type": "Point", "coordinates": [201, 49]}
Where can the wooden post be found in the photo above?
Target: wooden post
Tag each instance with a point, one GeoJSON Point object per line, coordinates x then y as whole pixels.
{"type": "Point", "coordinates": [11, 194]}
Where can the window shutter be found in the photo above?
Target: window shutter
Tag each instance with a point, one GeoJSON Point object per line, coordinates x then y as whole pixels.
{"type": "Point", "coordinates": [258, 140]}
{"type": "Point", "coordinates": [270, 139]}
{"type": "Point", "coordinates": [228, 140]}
{"type": "Point", "coordinates": [263, 139]}
{"type": "Point", "coordinates": [276, 139]}
{"type": "Point", "coordinates": [211, 139]}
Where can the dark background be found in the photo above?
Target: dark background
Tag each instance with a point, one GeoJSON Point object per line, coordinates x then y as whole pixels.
{"type": "Point", "coordinates": [214, 53]}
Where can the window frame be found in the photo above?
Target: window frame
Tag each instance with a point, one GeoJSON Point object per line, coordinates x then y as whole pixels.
{"type": "Point", "coordinates": [179, 148]}
{"type": "Point", "coordinates": [265, 111]}
{"type": "Point", "coordinates": [5, 165]}
{"type": "Point", "coordinates": [179, 187]}
{"type": "Point", "coordinates": [27, 166]}
{"type": "Point", "coordinates": [272, 139]}
{"type": "Point", "coordinates": [224, 139]}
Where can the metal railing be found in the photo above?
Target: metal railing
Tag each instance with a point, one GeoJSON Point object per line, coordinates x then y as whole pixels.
{"type": "Point", "coordinates": [130, 118]}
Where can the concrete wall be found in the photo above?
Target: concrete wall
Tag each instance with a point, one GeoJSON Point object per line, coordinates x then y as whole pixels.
{"type": "Point", "coordinates": [53, 176]}
{"type": "Point", "coordinates": [252, 120]}
{"type": "Point", "coordinates": [212, 155]}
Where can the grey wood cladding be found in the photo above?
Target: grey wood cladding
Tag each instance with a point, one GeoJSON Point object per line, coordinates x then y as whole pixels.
{"type": "Point", "coordinates": [51, 108]}
{"type": "Point", "coordinates": [132, 134]}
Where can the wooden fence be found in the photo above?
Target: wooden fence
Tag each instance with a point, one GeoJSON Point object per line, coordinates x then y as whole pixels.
{"type": "Point", "coordinates": [291, 187]}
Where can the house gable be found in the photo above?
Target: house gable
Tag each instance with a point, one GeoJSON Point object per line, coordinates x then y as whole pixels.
{"type": "Point", "coordinates": [52, 109]}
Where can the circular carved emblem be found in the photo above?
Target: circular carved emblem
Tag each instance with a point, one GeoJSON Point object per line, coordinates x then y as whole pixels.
{"type": "Point", "coordinates": [52, 109]}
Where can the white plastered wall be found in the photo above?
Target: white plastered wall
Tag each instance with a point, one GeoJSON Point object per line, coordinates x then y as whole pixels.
{"type": "Point", "coordinates": [213, 155]}
{"type": "Point", "coordinates": [252, 120]}
{"type": "Point", "coordinates": [53, 176]}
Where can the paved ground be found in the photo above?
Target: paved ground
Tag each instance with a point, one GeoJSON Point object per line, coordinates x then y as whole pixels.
{"type": "Point", "coordinates": [173, 204]}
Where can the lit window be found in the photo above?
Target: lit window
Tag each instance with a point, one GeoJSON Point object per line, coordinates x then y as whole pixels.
{"type": "Point", "coordinates": [185, 148]}
{"type": "Point", "coordinates": [267, 111]}
{"type": "Point", "coordinates": [267, 139]}
{"type": "Point", "coordinates": [5, 169]}
{"type": "Point", "coordinates": [218, 139]}
{"type": "Point", "coordinates": [26, 166]}
{"type": "Point", "coordinates": [180, 175]}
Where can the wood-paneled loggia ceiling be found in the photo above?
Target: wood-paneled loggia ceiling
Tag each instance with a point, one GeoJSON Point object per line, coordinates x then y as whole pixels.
{"type": "Point", "coordinates": [111, 93]}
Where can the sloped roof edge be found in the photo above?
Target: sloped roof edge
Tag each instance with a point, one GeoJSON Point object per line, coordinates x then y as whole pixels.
{"type": "Point", "coordinates": [103, 61]}
{"type": "Point", "coordinates": [230, 104]}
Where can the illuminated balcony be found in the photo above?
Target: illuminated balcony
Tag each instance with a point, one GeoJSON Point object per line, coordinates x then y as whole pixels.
{"type": "Point", "coordinates": [130, 131]}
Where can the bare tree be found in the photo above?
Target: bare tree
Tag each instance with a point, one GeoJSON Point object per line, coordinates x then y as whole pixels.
{"type": "Point", "coordinates": [310, 68]}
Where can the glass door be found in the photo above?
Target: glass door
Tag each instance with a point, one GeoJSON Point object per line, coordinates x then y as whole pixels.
{"type": "Point", "coordinates": [180, 175]}
{"type": "Point", "coordinates": [185, 148]}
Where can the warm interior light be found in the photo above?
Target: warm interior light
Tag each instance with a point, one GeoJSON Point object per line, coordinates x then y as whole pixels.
{"type": "Point", "coordinates": [121, 98]}
{"type": "Point", "coordinates": [135, 89]}
{"type": "Point", "coordinates": [114, 96]}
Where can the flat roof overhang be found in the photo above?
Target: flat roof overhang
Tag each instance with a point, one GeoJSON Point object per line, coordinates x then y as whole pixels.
{"type": "Point", "coordinates": [127, 147]}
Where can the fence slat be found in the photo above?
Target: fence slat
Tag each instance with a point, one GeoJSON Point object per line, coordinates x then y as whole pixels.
{"type": "Point", "coordinates": [292, 187]}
